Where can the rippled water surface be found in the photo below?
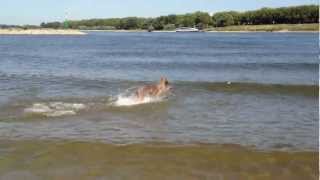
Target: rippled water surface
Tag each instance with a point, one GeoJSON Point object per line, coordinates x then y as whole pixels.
{"type": "Point", "coordinates": [252, 89]}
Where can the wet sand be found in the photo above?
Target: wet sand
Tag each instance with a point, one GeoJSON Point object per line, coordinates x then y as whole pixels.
{"type": "Point", "coordinates": [83, 160]}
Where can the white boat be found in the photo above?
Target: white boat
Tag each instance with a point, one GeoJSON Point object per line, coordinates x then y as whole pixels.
{"type": "Point", "coordinates": [187, 29]}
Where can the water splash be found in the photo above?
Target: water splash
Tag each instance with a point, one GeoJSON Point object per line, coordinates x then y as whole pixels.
{"type": "Point", "coordinates": [122, 100]}
{"type": "Point", "coordinates": [54, 109]}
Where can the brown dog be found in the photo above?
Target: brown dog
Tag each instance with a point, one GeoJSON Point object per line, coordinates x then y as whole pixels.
{"type": "Point", "coordinates": [155, 90]}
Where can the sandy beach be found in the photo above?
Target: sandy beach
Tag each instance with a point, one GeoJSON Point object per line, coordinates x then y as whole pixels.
{"type": "Point", "coordinates": [40, 32]}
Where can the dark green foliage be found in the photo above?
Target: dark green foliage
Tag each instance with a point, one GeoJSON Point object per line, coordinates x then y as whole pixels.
{"type": "Point", "coordinates": [285, 15]}
{"type": "Point", "coordinates": [54, 25]}
{"type": "Point", "coordinates": [188, 20]}
{"type": "Point", "coordinates": [169, 27]}
{"type": "Point", "coordinates": [172, 19]}
{"type": "Point", "coordinates": [202, 20]}
{"type": "Point", "coordinates": [223, 19]}
{"type": "Point", "coordinates": [129, 23]}
{"type": "Point", "coordinates": [4, 26]}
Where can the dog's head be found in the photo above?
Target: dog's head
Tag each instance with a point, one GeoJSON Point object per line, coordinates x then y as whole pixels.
{"type": "Point", "coordinates": [164, 84]}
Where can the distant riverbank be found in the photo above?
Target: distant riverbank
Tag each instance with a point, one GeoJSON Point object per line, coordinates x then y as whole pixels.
{"type": "Point", "coordinates": [239, 28]}
{"type": "Point", "coordinates": [268, 28]}
{"type": "Point", "coordinates": [16, 31]}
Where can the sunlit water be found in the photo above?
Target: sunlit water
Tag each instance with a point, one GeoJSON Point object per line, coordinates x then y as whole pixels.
{"type": "Point", "coordinates": [253, 89]}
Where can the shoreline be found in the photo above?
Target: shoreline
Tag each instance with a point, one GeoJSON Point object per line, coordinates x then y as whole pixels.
{"type": "Point", "coordinates": [41, 32]}
{"type": "Point", "coordinates": [263, 31]}
{"type": "Point", "coordinates": [84, 32]}
{"type": "Point", "coordinates": [131, 31]}
{"type": "Point", "coordinates": [276, 28]}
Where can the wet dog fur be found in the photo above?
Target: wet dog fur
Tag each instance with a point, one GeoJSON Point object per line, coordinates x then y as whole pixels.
{"type": "Point", "coordinates": [155, 90]}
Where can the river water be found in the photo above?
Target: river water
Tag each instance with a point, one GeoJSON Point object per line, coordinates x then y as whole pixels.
{"type": "Point", "coordinates": [256, 90]}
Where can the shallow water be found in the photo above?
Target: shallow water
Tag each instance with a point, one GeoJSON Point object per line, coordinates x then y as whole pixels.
{"type": "Point", "coordinates": [256, 90]}
{"type": "Point", "coordinates": [79, 160]}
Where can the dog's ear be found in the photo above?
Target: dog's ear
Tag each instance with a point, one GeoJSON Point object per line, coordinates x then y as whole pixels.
{"type": "Point", "coordinates": [164, 81]}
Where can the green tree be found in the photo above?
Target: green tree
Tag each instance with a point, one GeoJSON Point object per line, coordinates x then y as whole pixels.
{"type": "Point", "coordinates": [202, 19]}
{"type": "Point", "coordinates": [129, 23]}
{"type": "Point", "coordinates": [169, 27]}
{"type": "Point", "coordinates": [172, 19]}
{"type": "Point", "coordinates": [54, 25]}
{"type": "Point", "coordinates": [188, 20]}
{"type": "Point", "coordinates": [222, 19]}
{"type": "Point", "coordinates": [236, 17]}
{"type": "Point", "coordinates": [284, 15]}
{"type": "Point", "coordinates": [157, 24]}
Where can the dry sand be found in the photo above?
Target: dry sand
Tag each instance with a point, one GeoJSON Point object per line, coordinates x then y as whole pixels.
{"type": "Point", "coordinates": [16, 31]}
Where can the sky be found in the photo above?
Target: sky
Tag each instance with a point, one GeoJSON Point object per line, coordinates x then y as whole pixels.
{"type": "Point", "coordinates": [21, 12]}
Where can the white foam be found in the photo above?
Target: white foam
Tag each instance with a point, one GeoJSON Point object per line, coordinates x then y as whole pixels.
{"type": "Point", "coordinates": [123, 100]}
{"type": "Point", "coordinates": [53, 109]}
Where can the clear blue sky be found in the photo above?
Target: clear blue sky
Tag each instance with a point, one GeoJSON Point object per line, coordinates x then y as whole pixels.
{"type": "Point", "coordinates": [37, 11]}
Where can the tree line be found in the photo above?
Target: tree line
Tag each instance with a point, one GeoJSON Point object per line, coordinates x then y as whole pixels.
{"type": "Point", "coordinates": [284, 15]}
{"type": "Point", "coordinates": [5, 26]}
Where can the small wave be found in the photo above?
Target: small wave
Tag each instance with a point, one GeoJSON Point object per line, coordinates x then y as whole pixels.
{"type": "Point", "coordinates": [123, 100]}
{"type": "Point", "coordinates": [128, 98]}
{"type": "Point", "coordinates": [54, 109]}
{"type": "Point", "coordinates": [251, 87]}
